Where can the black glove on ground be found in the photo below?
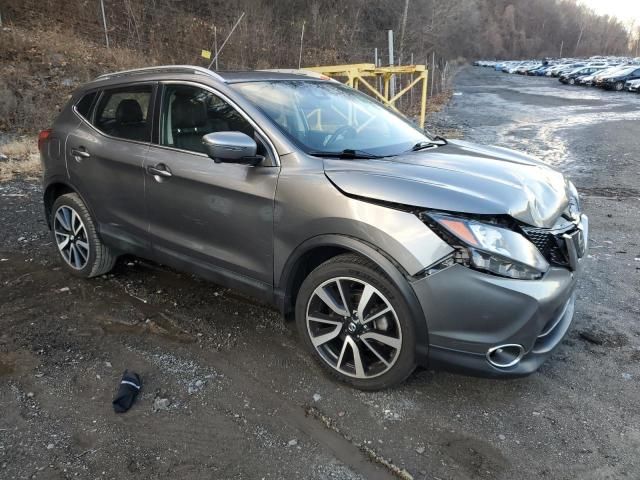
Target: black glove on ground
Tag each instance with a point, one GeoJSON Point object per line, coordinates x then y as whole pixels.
{"type": "Point", "coordinates": [130, 385]}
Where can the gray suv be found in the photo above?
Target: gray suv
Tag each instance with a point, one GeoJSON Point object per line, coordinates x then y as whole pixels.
{"type": "Point", "coordinates": [390, 248]}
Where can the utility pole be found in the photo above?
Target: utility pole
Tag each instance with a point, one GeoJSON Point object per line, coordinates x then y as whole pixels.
{"type": "Point", "coordinates": [402, 30]}
{"type": "Point", "coordinates": [301, 40]}
{"type": "Point", "coordinates": [561, 45]}
{"type": "Point", "coordinates": [104, 22]}
{"type": "Point", "coordinates": [392, 85]}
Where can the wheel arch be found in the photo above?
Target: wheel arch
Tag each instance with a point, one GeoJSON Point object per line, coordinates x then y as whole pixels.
{"type": "Point", "coordinates": [319, 249]}
{"type": "Point", "coordinates": [55, 189]}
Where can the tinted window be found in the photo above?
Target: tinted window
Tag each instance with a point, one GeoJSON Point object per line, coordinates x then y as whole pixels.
{"type": "Point", "coordinates": [124, 113]}
{"type": "Point", "coordinates": [84, 105]}
{"type": "Point", "coordinates": [189, 112]}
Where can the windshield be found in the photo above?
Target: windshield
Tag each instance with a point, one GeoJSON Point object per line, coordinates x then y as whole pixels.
{"type": "Point", "coordinates": [324, 117]}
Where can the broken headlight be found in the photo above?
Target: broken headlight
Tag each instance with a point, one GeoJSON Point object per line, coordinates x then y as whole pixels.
{"type": "Point", "coordinates": [491, 247]}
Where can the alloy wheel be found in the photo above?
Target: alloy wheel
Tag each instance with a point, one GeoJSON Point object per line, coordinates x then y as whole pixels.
{"type": "Point", "coordinates": [353, 327]}
{"type": "Point", "coordinates": [71, 237]}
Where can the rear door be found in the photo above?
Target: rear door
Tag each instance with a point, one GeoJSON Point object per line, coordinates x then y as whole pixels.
{"type": "Point", "coordinates": [213, 218]}
{"type": "Point", "coordinates": [105, 157]}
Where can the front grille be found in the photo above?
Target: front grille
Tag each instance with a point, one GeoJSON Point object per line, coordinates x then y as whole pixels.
{"type": "Point", "coordinates": [550, 243]}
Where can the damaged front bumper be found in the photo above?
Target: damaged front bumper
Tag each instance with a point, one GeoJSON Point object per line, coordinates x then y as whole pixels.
{"type": "Point", "coordinates": [486, 325]}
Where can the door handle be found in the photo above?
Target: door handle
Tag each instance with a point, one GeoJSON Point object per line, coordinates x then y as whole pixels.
{"type": "Point", "coordinates": [80, 153]}
{"type": "Point", "coordinates": [159, 170]}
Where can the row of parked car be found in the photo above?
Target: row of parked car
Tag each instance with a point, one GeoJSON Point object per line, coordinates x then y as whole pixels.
{"type": "Point", "coordinates": [612, 73]}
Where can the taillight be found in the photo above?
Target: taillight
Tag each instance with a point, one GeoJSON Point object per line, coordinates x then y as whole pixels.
{"type": "Point", "coordinates": [43, 136]}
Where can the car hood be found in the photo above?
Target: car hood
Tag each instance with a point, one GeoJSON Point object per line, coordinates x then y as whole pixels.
{"type": "Point", "coordinates": [459, 177]}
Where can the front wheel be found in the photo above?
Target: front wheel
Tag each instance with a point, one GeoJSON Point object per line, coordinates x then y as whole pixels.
{"type": "Point", "coordinates": [356, 324]}
{"type": "Point", "coordinates": [618, 86]}
{"type": "Point", "coordinates": [572, 81]}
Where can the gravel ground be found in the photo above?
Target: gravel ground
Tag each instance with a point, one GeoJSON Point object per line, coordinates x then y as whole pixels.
{"type": "Point", "coordinates": [244, 401]}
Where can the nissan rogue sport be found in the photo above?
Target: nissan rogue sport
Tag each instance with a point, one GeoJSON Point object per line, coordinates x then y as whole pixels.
{"type": "Point", "coordinates": [390, 248]}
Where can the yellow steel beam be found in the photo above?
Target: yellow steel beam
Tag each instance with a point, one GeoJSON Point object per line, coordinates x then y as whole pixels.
{"type": "Point", "coordinates": [356, 73]}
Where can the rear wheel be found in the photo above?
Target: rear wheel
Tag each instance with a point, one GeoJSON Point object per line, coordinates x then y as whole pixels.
{"type": "Point", "coordinates": [76, 237]}
{"type": "Point", "coordinates": [355, 323]}
{"type": "Point", "coordinates": [572, 81]}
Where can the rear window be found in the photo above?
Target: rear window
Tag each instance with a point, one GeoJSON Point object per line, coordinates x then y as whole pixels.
{"type": "Point", "coordinates": [84, 105]}
{"type": "Point", "coordinates": [124, 113]}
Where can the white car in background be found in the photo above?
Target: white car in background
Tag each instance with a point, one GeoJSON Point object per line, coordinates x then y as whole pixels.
{"type": "Point", "coordinates": [633, 85]}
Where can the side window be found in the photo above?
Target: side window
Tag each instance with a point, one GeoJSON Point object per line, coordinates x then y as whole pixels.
{"type": "Point", "coordinates": [84, 105]}
{"type": "Point", "coordinates": [124, 113]}
{"type": "Point", "coordinates": [190, 112]}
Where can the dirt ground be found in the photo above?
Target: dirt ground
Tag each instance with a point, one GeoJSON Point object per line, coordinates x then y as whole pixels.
{"type": "Point", "coordinates": [245, 401]}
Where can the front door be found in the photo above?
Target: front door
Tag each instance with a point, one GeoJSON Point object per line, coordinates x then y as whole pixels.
{"type": "Point", "coordinates": [105, 156]}
{"type": "Point", "coordinates": [213, 218]}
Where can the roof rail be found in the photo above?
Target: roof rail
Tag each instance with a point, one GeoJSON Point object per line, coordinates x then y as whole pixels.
{"type": "Point", "coordinates": [160, 69]}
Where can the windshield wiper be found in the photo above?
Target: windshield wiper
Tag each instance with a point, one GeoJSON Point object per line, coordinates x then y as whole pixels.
{"type": "Point", "coordinates": [436, 142]}
{"type": "Point", "coordinates": [347, 154]}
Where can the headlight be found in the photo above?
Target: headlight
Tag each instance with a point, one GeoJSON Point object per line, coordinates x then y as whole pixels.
{"type": "Point", "coordinates": [494, 249]}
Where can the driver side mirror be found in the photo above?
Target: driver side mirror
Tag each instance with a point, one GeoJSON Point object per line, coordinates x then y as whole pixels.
{"type": "Point", "coordinates": [231, 147]}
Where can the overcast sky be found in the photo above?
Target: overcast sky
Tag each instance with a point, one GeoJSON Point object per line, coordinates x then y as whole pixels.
{"type": "Point", "coordinates": [626, 10]}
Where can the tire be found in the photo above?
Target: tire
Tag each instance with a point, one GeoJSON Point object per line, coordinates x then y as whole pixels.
{"type": "Point", "coordinates": [572, 81]}
{"type": "Point", "coordinates": [619, 86]}
{"type": "Point", "coordinates": [386, 326]}
{"type": "Point", "coordinates": [74, 233]}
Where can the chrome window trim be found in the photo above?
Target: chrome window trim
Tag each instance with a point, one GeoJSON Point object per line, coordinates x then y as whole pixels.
{"type": "Point", "coordinates": [138, 142]}
{"type": "Point", "coordinates": [245, 115]}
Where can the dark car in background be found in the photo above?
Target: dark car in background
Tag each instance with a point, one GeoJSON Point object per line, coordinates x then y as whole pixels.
{"type": "Point", "coordinates": [572, 76]}
{"type": "Point", "coordinates": [617, 80]}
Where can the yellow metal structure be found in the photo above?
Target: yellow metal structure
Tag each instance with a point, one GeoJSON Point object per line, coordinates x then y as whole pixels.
{"type": "Point", "coordinates": [357, 74]}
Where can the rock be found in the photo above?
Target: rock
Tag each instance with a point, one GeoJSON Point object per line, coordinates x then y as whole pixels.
{"type": "Point", "coordinates": [199, 383]}
{"type": "Point", "coordinates": [108, 364]}
{"type": "Point", "coordinates": [64, 289]}
{"type": "Point", "coordinates": [536, 413]}
{"type": "Point", "coordinates": [316, 397]}
{"type": "Point", "coordinates": [420, 450]}
{"type": "Point", "coordinates": [160, 404]}
{"type": "Point", "coordinates": [591, 337]}
{"type": "Point", "coordinates": [627, 376]}
{"type": "Point", "coordinates": [502, 437]}
{"type": "Point", "coordinates": [293, 442]}
{"type": "Point", "coordinates": [30, 395]}
{"type": "Point", "coordinates": [50, 446]}
{"type": "Point", "coordinates": [341, 414]}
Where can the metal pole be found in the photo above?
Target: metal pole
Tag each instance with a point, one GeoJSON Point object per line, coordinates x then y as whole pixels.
{"type": "Point", "coordinates": [226, 40]}
{"type": "Point", "coordinates": [104, 22]}
{"type": "Point", "coordinates": [411, 91]}
{"type": "Point", "coordinates": [433, 71]}
{"type": "Point", "coordinates": [215, 44]}
{"type": "Point", "coordinates": [392, 85]}
{"type": "Point", "coordinates": [561, 45]}
{"type": "Point", "coordinates": [301, 40]}
{"type": "Point", "coordinates": [376, 61]}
